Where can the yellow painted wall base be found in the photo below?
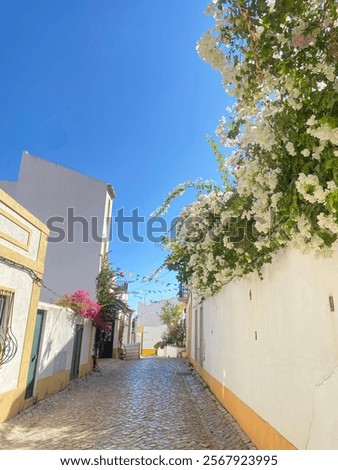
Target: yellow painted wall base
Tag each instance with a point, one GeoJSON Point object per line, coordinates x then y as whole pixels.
{"type": "Point", "coordinates": [13, 401]}
{"type": "Point", "coordinates": [86, 369]}
{"type": "Point", "coordinates": [57, 382]}
{"type": "Point", "coordinates": [52, 384]}
{"type": "Point", "coordinates": [115, 354]}
{"type": "Point", "coordinates": [148, 352]}
{"type": "Point", "coordinates": [262, 434]}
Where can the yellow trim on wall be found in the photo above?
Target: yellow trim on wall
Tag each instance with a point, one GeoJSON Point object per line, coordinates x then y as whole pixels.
{"type": "Point", "coordinates": [13, 401]}
{"type": "Point", "coordinates": [52, 384]}
{"type": "Point", "coordinates": [31, 319]}
{"type": "Point", "coordinates": [8, 289]}
{"type": "Point", "coordinates": [115, 353]}
{"type": "Point", "coordinates": [55, 383]}
{"type": "Point", "coordinates": [38, 264]}
{"type": "Point", "coordinates": [21, 259]}
{"type": "Point", "coordinates": [12, 255]}
{"type": "Point", "coordinates": [18, 223]}
{"type": "Point", "coordinates": [14, 206]}
{"type": "Point", "coordinates": [91, 344]}
{"type": "Point", "coordinates": [86, 369]}
{"type": "Point", "coordinates": [148, 352]}
{"type": "Point", "coordinates": [29, 335]}
{"type": "Point", "coordinates": [262, 434]}
{"type": "Point", "coordinates": [190, 325]}
{"type": "Point", "coordinates": [43, 245]}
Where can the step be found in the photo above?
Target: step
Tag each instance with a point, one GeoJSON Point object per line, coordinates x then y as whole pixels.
{"type": "Point", "coordinates": [133, 351]}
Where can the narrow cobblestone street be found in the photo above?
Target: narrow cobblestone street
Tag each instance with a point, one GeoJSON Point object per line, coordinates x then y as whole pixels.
{"type": "Point", "coordinates": [146, 404]}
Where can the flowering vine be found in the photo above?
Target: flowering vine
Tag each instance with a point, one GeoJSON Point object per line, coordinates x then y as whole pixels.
{"type": "Point", "coordinates": [81, 303]}
{"type": "Point", "coordinates": [278, 60]}
{"type": "Point", "coordinates": [103, 311]}
{"type": "Point", "coordinates": [109, 293]}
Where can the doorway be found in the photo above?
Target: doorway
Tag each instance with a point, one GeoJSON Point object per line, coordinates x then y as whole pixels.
{"type": "Point", "coordinates": [34, 354]}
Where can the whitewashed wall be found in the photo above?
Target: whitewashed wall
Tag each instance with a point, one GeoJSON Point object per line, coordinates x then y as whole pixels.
{"type": "Point", "coordinates": [22, 284]}
{"type": "Point", "coordinates": [152, 335]}
{"type": "Point", "coordinates": [57, 342]}
{"type": "Point", "coordinates": [30, 243]}
{"type": "Point", "coordinates": [169, 351]}
{"type": "Point", "coordinates": [274, 344]}
{"type": "Point", "coordinates": [22, 237]}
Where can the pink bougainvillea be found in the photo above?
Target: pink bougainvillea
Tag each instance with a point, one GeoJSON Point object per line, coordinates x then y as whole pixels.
{"type": "Point", "coordinates": [86, 306]}
{"type": "Point", "coordinates": [81, 303]}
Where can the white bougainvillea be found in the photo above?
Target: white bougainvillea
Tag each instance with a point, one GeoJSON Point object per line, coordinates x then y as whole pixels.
{"type": "Point", "coordinates": [278, 59]}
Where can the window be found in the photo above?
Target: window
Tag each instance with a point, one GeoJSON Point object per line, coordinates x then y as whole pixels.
{"type": "Point", "coordinates": [5, 303]}
{"type": "Point", "coordinates": [8, 345]}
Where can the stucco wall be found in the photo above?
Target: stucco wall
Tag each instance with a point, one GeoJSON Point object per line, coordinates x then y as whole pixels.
{"type": "Point", "coordinates": [152, 335]}
{"type": "Point", "coordinates": [20, 236]}
{"type": "Point", "coordinates": [57, 342]}
{"type": "Point", "coordinates": [148, 317]}
{"type": "Point", "coordinates": [21, 284]}
{"type": "Point", "coordinates": [23, 241]}
{"type": "Point", "coordinates": [273, 343]}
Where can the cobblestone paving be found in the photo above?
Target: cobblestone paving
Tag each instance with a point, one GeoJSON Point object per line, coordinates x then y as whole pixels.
{"type": "Point", "coordinates": [146, 404]}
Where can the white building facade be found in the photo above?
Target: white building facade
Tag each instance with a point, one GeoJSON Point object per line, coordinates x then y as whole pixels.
{"type": "Point", "coordinates": [23, 243]}
{"type": "Point", "coordinates": [150, 329]}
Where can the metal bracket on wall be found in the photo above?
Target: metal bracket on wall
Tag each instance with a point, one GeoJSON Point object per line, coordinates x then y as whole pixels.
{"type": "Point", "coordinates": [8, 346]}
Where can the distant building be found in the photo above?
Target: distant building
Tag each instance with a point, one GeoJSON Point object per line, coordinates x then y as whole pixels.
{"type": "Point", "coordinates": [149, 328]}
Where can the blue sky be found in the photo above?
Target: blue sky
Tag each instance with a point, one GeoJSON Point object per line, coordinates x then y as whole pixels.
{"type": "Point", "coordinates": [114, 89]}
